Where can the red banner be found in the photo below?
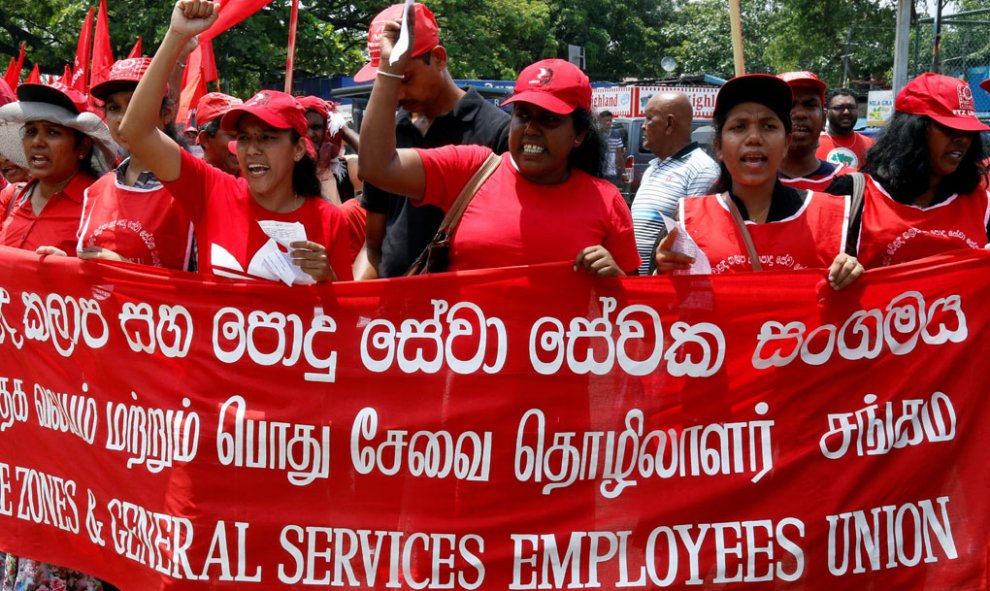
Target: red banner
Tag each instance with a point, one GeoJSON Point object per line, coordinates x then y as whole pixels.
{"type": "Point", "coordinates": [84, 47]}
{"type": "Point", "coordinates": [529, 428]}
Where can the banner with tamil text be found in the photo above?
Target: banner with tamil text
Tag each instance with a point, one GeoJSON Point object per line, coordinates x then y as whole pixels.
{"type": "Point", "coordinates": [527, 428]}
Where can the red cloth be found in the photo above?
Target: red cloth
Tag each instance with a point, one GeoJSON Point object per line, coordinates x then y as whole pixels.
{"type": "Point", "coordinates": [55, 226]}
{"type": "Point", "coordinates": [80, 68]}
{"type": "Point", "coordinates": [226, 220]}
{"type": "Point", "coordinates": [893, 232]}
{"type": "Point", "coordinates": [512, 221]}
{"type": "Point", "coordinates": [102, 50]}
{"type": "Point", "coordinates": [848, 151]}
{"type": "Point", "coordinates": [6, 194]}
{"type": "Point", "coordinates": [356, 216]}
{"type": "Point", "coordinates": [811, 238]}
{"type": "Point", "coordinates": [816, 182]}
{"type": "Point", "coordinates": [146, 226]}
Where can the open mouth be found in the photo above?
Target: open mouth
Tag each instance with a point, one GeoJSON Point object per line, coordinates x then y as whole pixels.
{"type": "Point", "coordinates": [532, 149]}
{"type": "Point", "coordinates": [257, 169]}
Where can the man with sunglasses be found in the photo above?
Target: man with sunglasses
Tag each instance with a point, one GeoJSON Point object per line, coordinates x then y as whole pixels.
{"type": "Point", "coordinates": [840, 144]}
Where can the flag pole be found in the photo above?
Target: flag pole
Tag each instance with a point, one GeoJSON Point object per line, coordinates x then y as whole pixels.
{"type": "Point", "coordinates": [291, 58]}
{"type": "Point", "coordinates": [735, 25]}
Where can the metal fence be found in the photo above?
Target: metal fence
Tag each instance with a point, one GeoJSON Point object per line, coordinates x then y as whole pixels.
{"type": "Point", "coordinates": [957, 45]}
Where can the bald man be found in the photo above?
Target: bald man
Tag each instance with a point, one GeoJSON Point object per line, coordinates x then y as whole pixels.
{"type": "Point", "coordinates": [681, 169]}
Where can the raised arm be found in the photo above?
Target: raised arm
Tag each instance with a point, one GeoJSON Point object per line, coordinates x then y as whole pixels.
{"type": "Point", "coordinates": [395, 171]}
{"type": "Point", "coordinates": [139, 128]}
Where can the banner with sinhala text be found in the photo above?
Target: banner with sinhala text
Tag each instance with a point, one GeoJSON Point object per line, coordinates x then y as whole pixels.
{"type": "Point", "coordinates": [529, 428]}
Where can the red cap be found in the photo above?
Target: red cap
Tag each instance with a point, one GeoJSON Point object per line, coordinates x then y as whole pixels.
{"type": "Point", "coordinates": [314, 103]}
{"type": "Point", "coordinates": [58, 94]}
{"type": "Point", "coordinates": [555, 85]}
{"type": "Point", "coordinates": [427, 36]}
{"type": "Point", "coordinates": [985, 85]}
{"type": "Point", "coordinates": [804, 79]}
{"type": "Point", "coordinates": [124, 75]}
{"type": "Point", "coordinates": [944, 99]}
{"type": "Point", "coordinates": [6, 94]}
{"type": "Point", "coordinates": [213, 105]}
{"type": "Point", "coordinates": [278, 109]}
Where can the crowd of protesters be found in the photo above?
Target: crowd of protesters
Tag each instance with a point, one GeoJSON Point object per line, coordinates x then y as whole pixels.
{"type": "Point", "coordinates": [271, 194]}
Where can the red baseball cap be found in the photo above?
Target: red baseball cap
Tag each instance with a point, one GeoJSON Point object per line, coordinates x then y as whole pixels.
{"type": "Point", "coordinates": [314, 103]}
{"type": "Point", "coordinates": [213, 105]}
{"type": "Point", "coordinates": [804, 79]}
{"type": "Point", "coordinates": [278, 109]}
{"type": "Point", "coordinates": [944, 99]}
{"type": "Point", "coordinates": [124, 75]}
{"type": "Point", "coordinates": [58, 94]}
{"type": "Point", "coordinates": [427, 36]}
{"type": "Point", "coordinates": [555, 85]}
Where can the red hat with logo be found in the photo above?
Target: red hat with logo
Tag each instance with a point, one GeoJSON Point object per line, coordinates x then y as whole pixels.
{"type": "Point", "coordinates": [213, 105]}
{"type": "Point", "coordinates": [55, 94]}
{"type": "Point", "coordinates": [944, 99]}
{"type": "Point", "coordinates": [427, 36]}
{"type": "Point", "coordinates": [555, 85]}
{"type": "Point", "coordinates": [124, 75]}
{"type": "Point", "coordinates": [278, 109]}
{"type": "Point", "coordinates": [804, 79]}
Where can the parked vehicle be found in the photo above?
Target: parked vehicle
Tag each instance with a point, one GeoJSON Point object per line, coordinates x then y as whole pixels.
{"type": "Point", "coordinates": [638, 157]}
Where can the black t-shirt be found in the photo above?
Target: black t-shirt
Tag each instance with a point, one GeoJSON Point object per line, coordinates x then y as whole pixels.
{"type": "Point", "coordinates": [408, 229]}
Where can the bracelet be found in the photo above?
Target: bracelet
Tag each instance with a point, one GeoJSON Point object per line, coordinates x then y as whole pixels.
{"type": "Point", "coordinates": [390, 75]}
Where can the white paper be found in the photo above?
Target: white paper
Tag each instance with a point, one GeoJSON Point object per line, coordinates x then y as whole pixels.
{"type": "Point", "coordinates": [684, 244]}
{"type": "Point", "coordinates": [402, 44]}
{"type": "Point", "coordinates": [275, 254]}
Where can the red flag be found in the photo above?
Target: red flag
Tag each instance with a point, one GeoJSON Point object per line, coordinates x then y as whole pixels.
{"type": "Point", "coordinates": [66, 79]}
{"type": "Point", "coordinates": [231, 13]}
{"type": "Point", "coordinates": [102, 51]}
{"type": "Point", "coordinates": [13, 75]}
{"type": "Point", "coordinates": [194, 82]}
{"type": "Point", "coordinates": [136, 50]}
{"type": "Point", "coordinates": [80, 68]}
{"type": "Point", "coordinates": [34, 77]}
{"type": "Point", "coordinates": [291, 56]}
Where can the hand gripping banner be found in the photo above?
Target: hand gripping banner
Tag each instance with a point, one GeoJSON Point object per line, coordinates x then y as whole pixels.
{"type": "Point", "coordinates": [528, 428]}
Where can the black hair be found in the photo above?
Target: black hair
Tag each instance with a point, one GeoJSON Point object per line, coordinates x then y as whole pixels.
{"type": "Point", "coordinates": [86, 164]}
{"type": "Point", "coordinates": [838, 92]}
{"type": "Point", "coordinates": [899, 161]}
{"type": "Point", "coordinates": [724, 181]}
{"type": "Point", "coordinates": [590, 155]}
{"type": "Point", "coordinates": [212, 127]}
{"type": "Point", "coordinates": [605, 114]}
{"type": "Point", "coordinates": [304, 179]}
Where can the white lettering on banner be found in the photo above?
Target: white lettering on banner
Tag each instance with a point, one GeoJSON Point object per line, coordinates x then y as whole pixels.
{"type": "Point", "coordinates": [62, 320]}
{"type": "Point", "coordinates": [171, 334]}
{"type": "Point", "coordinates": [904, 531]}
{"type": "Point", "coordinates": [6, 491]}
{"type": "Point", "coordinates": [66, 413]}
{"type": "Point", "coordinates": [157, 540]}
{"type": "Point", "coordinates": [933, 420]}
{"type": "Point", "coordinates": [47, 499]}
{"type": "Point", "coordinates": [863, 335]}
{"type": "Point", "coordinates": [429, 454]}
{"type": "Point", "coordinates": [427, 345]}
{"type": "Point", "coordinates": [13, 404]}
{"type": "Point", "coordinates": [5, 328]}
{"type": "Point", "coordinates": [234, 336]}
{"type": "Point", "coordinates": [154, 437]}
{"type": "Point", "coordinates": [697, 350]}
{"type": "Point", "coordinates": [619, 459]}
{"type": "Point", "coordinates": [272, 445]}
{"type": "Point", "coordinates": [584, 558]}
{"type": "Point", "coordinates": [339, 557]}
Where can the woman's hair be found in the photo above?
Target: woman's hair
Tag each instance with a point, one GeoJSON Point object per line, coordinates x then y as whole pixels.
{"type": "Point", "coordinates": [304, 179]}
{"type": "Point", "coordinates": [900, 161]}
{"type": "Point", "coordinates": [590, 155]}
{"type": "Point", "coordinates": [724, 181]}
{"type": "Point", "coordinates": [86, 164]}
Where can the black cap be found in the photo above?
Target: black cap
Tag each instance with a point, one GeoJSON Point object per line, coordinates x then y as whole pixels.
{"type": "Point", "coordinates": [769, 91]}
{"type": "Point", "coordinates": [42, 93]}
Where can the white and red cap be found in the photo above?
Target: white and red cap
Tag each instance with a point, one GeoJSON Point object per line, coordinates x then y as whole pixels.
{"type": "Point", "coordinates": [944, 99]}
{"type": "Point", "coordinates": [213, 105]}
{"type": "Point", "coordinates": [277, 109]}
{"type": "Point", "coordinates": [427, 36]}
{"type": "Point", "coordinates": [54, 94]}
{"type": "Point", "coordinates": [804, 79]}
{"type": "Point", "coordinates": [553, 84]}
{"type": "Point", "coordinates": [124, 75]}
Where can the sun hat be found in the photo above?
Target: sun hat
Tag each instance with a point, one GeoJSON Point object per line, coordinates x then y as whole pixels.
{"type": "Point", "coordinates": [944, 99]}
{"type": "Point", "coordinates": [55, 94]}
{"type": "Point", "coordinates": [13, 116]}
{"type": "Point", "coordinates": [769, 91]}
{"type": "Point", "coordinates": [553, 84]}
{"type": "Point", "coordinates": [427, 36]}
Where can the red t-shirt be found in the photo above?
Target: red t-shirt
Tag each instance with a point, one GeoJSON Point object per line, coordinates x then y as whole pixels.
{"type": "Point", "coordinates": [811, 238]}
{"type": "Point", "coordinates": [57, 224]}
{"type": "Point", "coordinates": [893, 232]}
{"type": "Point", "coordinates": [512, 221]}
{"type": "Point", "coordinates": [849, 151]}
{"type": "Point", "coordinates": [7, 196]}
{"type": "Point", "coordinates": [356, 216]}
{"type": "Point", "coordinates": [146, 226]}
{"type": "Point", "coordinates": [816, 182]}
{"type": "Point", "coordinates": [226, 217]}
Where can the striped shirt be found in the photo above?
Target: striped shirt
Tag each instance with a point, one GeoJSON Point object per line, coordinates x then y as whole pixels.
{"type": "Point", "coordinates": [689, 173]}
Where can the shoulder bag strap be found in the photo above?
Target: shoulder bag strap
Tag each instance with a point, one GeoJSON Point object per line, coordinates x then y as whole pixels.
{"type": "Point", "coordinates": [855, 212]}
{"type": "Point", "coordinates": [453, 217]}
{"type": "Point", "coordinates": [754, 257]}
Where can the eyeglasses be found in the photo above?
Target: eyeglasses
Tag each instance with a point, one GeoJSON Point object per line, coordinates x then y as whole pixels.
{"type": "Point", "coordinates": [841, 108]}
